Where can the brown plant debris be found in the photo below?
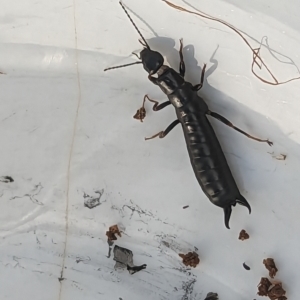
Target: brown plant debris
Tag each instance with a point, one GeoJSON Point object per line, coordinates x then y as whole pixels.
{"type": "Point", "coordinates": [243, 235]}
{"type": "Point", "coordinates": [190, 259]}
{"type": "Point", "coordinates": [256, 58]}
{"type": "Point", "coordinates": [112, 231]}
{"type": "Point", "coordinates": [115, 229]}
{"type": "Point", "coordinates": [276, 291]}
{"type": "Point", "coordinates": [263, 286]}
{"type": "Point", "coordinates": [111, 236]}
{"type": "Point", "coordinates": [273, 291]}
{"type": "Point", "coordinates": [270, 266]}
{"type": "Point", "coordinates": [140, 114]}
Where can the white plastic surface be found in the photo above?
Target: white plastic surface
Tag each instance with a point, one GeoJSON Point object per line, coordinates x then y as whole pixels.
{"type": "Point", "coordinates": [67, 131]}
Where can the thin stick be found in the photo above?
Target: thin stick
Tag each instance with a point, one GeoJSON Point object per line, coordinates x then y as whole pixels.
{"type": "Point", "coordinates": [255, 52]}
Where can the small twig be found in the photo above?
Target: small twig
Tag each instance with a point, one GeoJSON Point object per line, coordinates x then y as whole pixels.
{"type": "Point", "coordinates": [255, 51]}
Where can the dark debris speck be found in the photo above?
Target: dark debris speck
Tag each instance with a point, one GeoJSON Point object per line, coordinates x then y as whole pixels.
{"type": "Point", "coordinates": [6, 179]}
{"type": "Point", "coordinates": [212, 296]}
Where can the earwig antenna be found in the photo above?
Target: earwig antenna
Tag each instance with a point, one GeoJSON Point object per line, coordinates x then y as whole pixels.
{"type": "Point", "coordinates": [146, 44]}
{"type": "Point", "coordinates": [121, 66]}
{"type": "Point", "coordinates": [143, 42]}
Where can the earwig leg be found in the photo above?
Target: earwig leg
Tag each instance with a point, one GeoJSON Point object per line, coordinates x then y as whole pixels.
{"type": "Point", "coordinates": [136, 55]}
{"type": "Point", "coordinates": [153, 79]}
{"type": "Point", "coordinates": [141, 113]}
{"type": "Point", "coordinates": [181, 64]}
{"type": "Point", "coordinates": [156, 106]}
{"type": "Point", "coordinates": [244, 202]}
{"type": "Point", "coordinates": [198, 86]}
{"type": "Point", "coordinates": [227, 214]}
{"type": "Point", "coordinates": [228, 123]}
{"type": "Point", "coordinates": [162, 134]}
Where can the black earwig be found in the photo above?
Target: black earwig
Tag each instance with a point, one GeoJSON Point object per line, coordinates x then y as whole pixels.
{"type": "Point", "coordinates": [207, 158]}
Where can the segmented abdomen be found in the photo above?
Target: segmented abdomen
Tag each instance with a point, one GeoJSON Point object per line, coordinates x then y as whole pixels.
{"type": "Point", "coordinates": [207, 158]}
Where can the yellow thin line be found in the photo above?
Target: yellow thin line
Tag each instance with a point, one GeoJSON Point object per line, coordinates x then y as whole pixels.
{"type": "Point", "coordinates": [70, 155]}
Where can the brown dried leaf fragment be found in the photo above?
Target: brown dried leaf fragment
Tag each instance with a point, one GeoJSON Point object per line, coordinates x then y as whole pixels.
{"type": "Point", "coordinates": [276, 291]}
{"type": "Point", "coordinates": [270, 266]}
{"type": "Point", "coordinates": [243, 235]}
{"type": "Point", "coordinates": [190, 259]}
{"type": "Point", "coordinates": [263, 286]}
{"type": "Point", "coordinates": [282, 298]}
{"type": "Point", "coordinates": [140, 114]}
{"type": "Point", "coordinates": [112, 231]}
{"type": "Point", "coordinates": [110, 236]}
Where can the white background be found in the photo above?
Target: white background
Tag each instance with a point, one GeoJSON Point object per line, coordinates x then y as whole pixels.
{"type": "Point", "coordinates": [66, 129]}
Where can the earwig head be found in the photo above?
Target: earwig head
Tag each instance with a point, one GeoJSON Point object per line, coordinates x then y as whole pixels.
{"type": "Point", "coordinates": [151, 60]}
